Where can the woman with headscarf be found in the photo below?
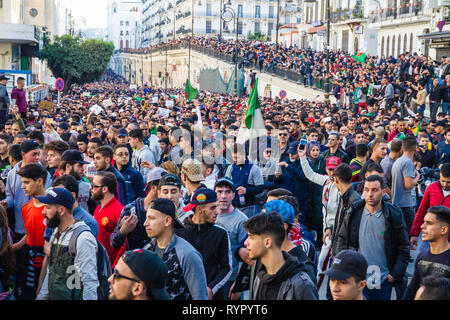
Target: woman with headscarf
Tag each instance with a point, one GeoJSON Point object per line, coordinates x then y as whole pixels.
{"type": "Point", "coordinates": [314, 218]}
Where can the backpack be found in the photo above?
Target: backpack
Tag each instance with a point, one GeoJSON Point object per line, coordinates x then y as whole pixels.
{"type": "Point", "coordinates": [103, 263]}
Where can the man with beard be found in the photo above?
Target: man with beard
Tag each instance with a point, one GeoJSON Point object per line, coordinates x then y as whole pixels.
{"type": "Point", "coordinates": [72, 163]}
{"type": "Point", "coordinates": [107, 213]}
{"type": "Point", "coordinates": [58, 211]}
{"type": "Point", "coordinates": [33, 178]}
{"type": "Point", "coordinates": [166, 148]}
{"type": "Point", "coordinates": [139, 275]}
{"type": "Point", "coordinates": [103, 162]}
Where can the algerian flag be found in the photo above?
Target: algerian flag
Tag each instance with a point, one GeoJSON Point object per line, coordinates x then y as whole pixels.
{"type": "Point", "coordinates": [360, 57]}
{"type": "Point", "coordinates": [190, 91]}
{"type": "Point", "coordinates": [253, 125]}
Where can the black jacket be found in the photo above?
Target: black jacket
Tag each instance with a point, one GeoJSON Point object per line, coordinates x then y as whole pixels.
{"type": "Point", "coordinates": [289, 283]}
{"type": "Point", "coordinates": [214, 245]}
{"type": "Point", "coordinates": [395, 237]}
{"type": "Point", "coordinates": [345, 202]}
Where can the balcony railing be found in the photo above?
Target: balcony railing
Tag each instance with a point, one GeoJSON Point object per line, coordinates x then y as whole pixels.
{"type": "Point", "coordinates": [413, 10]}
{"type": "Point", "coordinates": [356, 13]}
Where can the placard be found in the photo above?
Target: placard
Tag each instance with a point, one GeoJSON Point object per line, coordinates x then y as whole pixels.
{"type": "Point", "coordinates": [45, 105]}
{"type": "Point", "coordinates": [163, 112]}
{"type": "Point", "coordinates": [96, 109]}
{"type": "Point", "coordinates": [107, 102]}
{"type": "Point", "coordinates": [169, 103]}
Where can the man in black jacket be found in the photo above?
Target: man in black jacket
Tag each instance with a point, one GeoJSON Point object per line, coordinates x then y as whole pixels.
{"type": "Point", "coordinates": [280, 276]}
{"type": "Point", "coordinates": [435, 98]}
{"type": "Point", "coordinates": [377, 230]}
{"type": "Point", "coordinates": [209, 239]}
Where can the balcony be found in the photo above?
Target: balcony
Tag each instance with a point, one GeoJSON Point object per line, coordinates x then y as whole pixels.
{"type": "Point", "coordinates": [19, 33]}
{"type": "Point", "coordinates": [344, 15]}
{"type": "Point", "coordinates": [405, 14]}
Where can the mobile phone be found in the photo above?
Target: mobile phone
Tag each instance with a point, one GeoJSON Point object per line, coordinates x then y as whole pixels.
{"type": "Point", "coordinates": [302, 144]}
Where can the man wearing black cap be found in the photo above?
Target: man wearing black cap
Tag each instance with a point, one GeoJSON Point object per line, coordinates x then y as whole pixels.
{"type": "Point", "coordinates": [347, 275]}
{"type": "Point", "coordinates": [169, 187]}
{"type": "Point", "coordinates": [139, 275]}
{"type": "Point", "coordinates": [65, 267]}
{"type": "Point", "coordinates": [4, 100]}
{"type": "Point", "coordinates": [210, 240]}
{"type": "Point", "coordinates": [187, 279]}
{"type": "Point", "coordinates": [166, 148]}
{"type": "Point", "coordinates": [73, 163]}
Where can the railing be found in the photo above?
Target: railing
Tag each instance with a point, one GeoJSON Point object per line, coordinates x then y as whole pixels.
{"type": "Point", "coordinates": [398, 13]}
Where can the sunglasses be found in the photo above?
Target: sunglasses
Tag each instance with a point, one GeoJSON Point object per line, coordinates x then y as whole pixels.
{"type": "Point", "coordinates": [117, 276]}
{"type": "Point", "coordinates": [282, 134]}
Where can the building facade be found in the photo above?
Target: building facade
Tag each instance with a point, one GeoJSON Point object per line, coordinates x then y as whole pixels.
{"type": "Point", "coordinates": [124, 18]}
{"type": "Point", "coordinates": [173, 19]}
{"type": "Point", "coordinates": [23, 24]}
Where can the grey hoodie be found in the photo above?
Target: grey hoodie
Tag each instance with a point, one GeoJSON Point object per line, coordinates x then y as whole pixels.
{"type": "Point", "coordinates": [16, 196]}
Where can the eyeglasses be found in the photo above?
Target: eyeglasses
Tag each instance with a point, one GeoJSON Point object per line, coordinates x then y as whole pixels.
{"type": "Point", "coordinates": [95, 187]}
{"type": "Point", "coordinates": [117, 275]}
{"type": "Point", "coordinates": [282, 134]}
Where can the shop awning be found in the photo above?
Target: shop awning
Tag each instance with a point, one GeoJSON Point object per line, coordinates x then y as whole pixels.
{"type": "Point", "coordinates": [315, 29]}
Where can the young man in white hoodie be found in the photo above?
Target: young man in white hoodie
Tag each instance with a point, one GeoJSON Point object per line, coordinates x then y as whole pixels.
{"type": "Point", "coordinates": [330, 201]}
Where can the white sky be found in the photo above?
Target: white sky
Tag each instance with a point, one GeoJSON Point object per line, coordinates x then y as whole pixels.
{"type": "Point", "coordinates": [94, 11]}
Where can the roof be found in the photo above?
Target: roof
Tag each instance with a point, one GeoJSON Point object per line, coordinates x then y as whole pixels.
{"type": "Point", "coordinates": [290, 26]}
{"type": "Point", "coordinates": [444, 35]}
{"type": "Point", "coordinates": [315, 29]}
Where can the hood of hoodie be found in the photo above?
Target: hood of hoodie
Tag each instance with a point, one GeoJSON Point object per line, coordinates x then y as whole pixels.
{"type": "Point", "coordinates": [289, 269]}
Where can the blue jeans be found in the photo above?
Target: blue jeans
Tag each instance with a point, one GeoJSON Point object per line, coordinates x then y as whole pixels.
{"type": "Point", "coordinates": [309, 79]}
{"type": "Point", "coordinates": [434, 106]}
{"type": "Point", "coordinates": [421, 109]}
{"type": "Point", "coordinates": [384, 293]}
{"type": "Point", "coordinates": [446, 107]}
{"type": "Point", "coordinates": [250, 211]}
{"type": "Point", "coordinates": [409, 213]}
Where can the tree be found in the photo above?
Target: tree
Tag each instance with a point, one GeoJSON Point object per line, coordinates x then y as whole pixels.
{"type": "Point", "coordinates": [258, 36]}
{"type": "Point", "coordinates": [75, 60]}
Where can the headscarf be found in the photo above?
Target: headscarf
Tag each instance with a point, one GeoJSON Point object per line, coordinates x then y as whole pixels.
{"type": "Point", "coordinates": [309, 146]}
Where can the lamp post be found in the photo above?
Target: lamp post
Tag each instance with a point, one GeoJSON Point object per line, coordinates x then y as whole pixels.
{"type": "Point", "coordinates": [221, 20]}
{"type": "Point", "coordinates": [310, 4]}
{"type": "Point", "coordinates": [227, 15]}
{"type": "Point", "coordinates": [278, 22]}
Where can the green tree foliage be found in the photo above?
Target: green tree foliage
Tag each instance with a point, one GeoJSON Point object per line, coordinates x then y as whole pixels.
{"type": "Point", "coordinates": [258, 36]}
{"type": "Point", "coordinates": [75, 60]}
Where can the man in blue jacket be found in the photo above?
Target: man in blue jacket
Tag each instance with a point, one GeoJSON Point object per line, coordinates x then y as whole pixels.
{"type": "Point", "coordinates": [133, 179]}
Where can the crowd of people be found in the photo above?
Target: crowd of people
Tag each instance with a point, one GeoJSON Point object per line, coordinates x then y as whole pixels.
{"type": "Point", "coordinates": [410, 80]}
{"type": "Point", "coordinates": [131, 194]}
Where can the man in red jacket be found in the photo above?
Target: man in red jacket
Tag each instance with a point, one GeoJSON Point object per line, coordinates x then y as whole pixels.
{"type": "Point", "coordinates": [437, 193]}
{"type": "Point", "coordinates": [402, 127]}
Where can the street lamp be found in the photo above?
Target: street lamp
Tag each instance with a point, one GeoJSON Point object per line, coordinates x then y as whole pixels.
{"type": "Point", "coordinates": [310, 4]}
{"type": "Point", "coordinates": [192, 35]}
{"type": "Point", "coordinates": [227, 15]}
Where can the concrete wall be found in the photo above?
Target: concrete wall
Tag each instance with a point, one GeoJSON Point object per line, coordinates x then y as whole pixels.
{"type": "Point", "coordinates": [268, 85]}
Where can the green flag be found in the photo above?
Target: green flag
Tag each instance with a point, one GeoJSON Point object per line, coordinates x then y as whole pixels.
{"type": "Point", "coordinates": [190, 91]}
{"type": "Point", "coordinates": [360, 57]}
{"type": "Point", "coordinates": [253, 104]}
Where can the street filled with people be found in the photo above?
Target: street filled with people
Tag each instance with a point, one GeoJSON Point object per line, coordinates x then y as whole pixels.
{"type": "Point", "coordinates": [152, 194]}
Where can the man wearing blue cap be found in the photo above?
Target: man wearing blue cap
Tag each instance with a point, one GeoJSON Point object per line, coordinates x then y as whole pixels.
{"type": "Point", "coordinates": [293, 179]}
{"type": "Point", "coordinates": [210, 240]}
{"type": "Point", "coordinates": [79, 270]}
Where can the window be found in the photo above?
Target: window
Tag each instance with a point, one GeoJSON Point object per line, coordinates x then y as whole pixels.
{"type": "Point", "coordinates": [257, 27]}
{"type": "Point", "coordinates": [208, 26]}
{"type": "Point", "coordinates": [269, 31]}
{"type": "Point", "coordinates": [240, 11]}
{"type": "Point", "coordinates": [239, 27]}
{"type": "Point", "coordinates": [257, 11]}
{"type": "Point", "coordinates": [271, 12]}
{"type": "Point", "coordinates": [127, 23]}
{"type": "Point", "coordinates": [121, 33]}
{"type": "Point", "coordinates": [208, 9]}
{"type": "Point", "coordinates": [127, 33]}
{"type": "Point", "coordinates": [121, 23]}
